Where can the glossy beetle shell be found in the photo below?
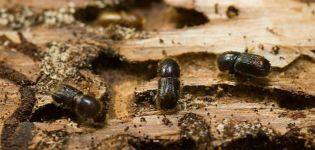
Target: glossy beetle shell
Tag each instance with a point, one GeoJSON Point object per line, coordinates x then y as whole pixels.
{"type": "Point", "coordinates": [169, 84]}
{"type": "Point", "coordinates": [64, 96]}
{"type": "Point", "coordinates": [168, 68]}
{"type": "Point", "coordinates": [226, 60]}
{"type": "Point", "coordinates": [252, 65]}
{"type": "Point", "coordinates": [245, 64]}
{"type": "Point", "coordinates": [86, 107]}
{"type": "Point", "coordinates": [168, 93]}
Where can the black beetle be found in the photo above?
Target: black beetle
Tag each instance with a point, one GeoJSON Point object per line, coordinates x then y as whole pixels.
{"type": "Point", "coordinates": [169, 84]}
{"type": "Point", "coordinates": [245, 64]}
{"type": "Point", "coordinates": [86, 107]}
{"type": "Point", "coordinates": [168, 68]}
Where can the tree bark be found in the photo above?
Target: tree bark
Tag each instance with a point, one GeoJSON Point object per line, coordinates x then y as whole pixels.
{"type": "Point", "coordinates": [234, 112]}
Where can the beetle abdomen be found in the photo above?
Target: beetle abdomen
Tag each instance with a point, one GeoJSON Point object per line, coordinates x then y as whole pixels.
{"type": "Point", "coordinates": [252, 65]}
{"type": "Point", "coordinates": [87, 106]}
{"type": "Point", "coordinates": [168, 93]}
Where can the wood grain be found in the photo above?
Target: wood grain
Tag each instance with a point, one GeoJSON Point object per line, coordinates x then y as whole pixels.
{"type": "Point", "coordinates": [260, 22]}
{"type": "Point", "coordinates": [232, 107]}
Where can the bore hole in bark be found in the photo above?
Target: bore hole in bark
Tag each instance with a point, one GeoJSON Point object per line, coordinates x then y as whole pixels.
{"type": "Point", "coordinates": [107, 63]}
{"type": "Point", "coordinates": [189, 18]}
{"type": "Point", "coordinates": [295, 101]}
{"type": "Point", "coordinates": [87, 14]}
{"type": "Point", "coordinates": [182, 144]}
{"type": "Point", "coordinates": [129, 14]}
{"type": "Point", "coordinates": [232, 12]}
{"type": "Point", "coordinates": [262, 141]}
{"type": "Point", "coordinates": [285, 99]}
{"type": "Point", "coordinates": [152, 15]}
{"type": "Point", "coordinates": [140, 3]}
{"type": "Point", "coordinates": [51, 112]}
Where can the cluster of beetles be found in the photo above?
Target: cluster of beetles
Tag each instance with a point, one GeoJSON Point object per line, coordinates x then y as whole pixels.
{"type": "Point", "coordinates": [89, 109]}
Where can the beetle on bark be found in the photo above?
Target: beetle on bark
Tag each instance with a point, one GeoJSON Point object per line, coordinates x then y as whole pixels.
{"type": "Point", "coordinates": [169, 85]}
{"type": "Point", "coordinates": [87, 108]}
{"type": "Point", "coordinates": [244, 64]}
